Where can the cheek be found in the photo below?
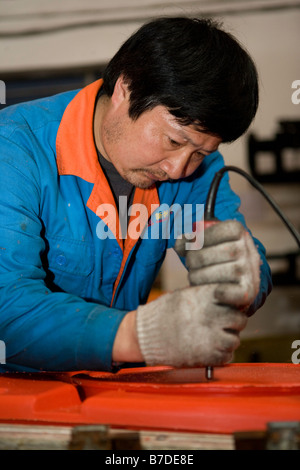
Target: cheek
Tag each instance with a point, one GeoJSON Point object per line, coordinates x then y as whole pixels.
{"type": "Point", "coordinates": [150, 145]}
{"type": "Point", "coordinates": [149, 153]}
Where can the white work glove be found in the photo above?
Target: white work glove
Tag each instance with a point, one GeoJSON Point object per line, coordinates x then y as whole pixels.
{"type": "Point", "coordinates": [229, 258]}
{"type": "Point", "coordinates": [188, 328]}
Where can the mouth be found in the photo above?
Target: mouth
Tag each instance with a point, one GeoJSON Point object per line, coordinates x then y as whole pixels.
{"type": "Point", "coordinates": [144, 178]}
{"type": "Point", "coordinates": [156, 177]}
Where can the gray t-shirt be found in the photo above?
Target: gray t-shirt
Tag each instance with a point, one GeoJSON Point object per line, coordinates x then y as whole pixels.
{"type": "Point", "coordinates": [119, 187]}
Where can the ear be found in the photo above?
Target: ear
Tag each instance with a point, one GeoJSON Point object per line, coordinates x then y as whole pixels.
{"type": "Point", "coordinates": [120, 93]}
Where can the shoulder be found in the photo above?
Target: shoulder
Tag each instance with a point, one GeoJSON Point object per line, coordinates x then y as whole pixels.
{"type": "Point", "coordinates": [28, 133]}
{"type": "Point", "coordinates": [33, 115]}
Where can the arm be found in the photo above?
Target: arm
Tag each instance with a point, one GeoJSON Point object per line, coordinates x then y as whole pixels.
{"type": "Point", "coordinates": [126, 345]}
{"type": "Point", "coordinates": [42, 330]}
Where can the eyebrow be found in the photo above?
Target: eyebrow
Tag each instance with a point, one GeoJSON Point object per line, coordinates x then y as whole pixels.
{"type": "Point", "coordinates": [188, 139]}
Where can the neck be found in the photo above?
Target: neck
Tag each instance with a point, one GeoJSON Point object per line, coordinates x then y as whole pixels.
{"type": "Point", "coordinates": [101, 108]}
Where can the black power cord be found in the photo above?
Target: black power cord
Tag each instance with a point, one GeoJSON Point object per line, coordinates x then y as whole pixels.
{"type": "Point", "coordinates": [209, 213]}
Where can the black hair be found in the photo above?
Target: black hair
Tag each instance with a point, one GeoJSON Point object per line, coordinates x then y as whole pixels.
{"type": "Point", "coordinates": [199, 72]}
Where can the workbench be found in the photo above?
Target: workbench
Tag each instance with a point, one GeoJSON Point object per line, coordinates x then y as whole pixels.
{"type": "Point", "coordinates": [151, 408]}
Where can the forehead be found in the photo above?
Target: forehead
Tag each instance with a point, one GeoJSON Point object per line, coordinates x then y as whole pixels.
{"type": "Point", "coordinates": [193, 134]}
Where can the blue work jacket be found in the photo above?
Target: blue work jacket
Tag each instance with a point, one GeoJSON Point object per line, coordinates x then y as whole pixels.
{"type": "Point", "coordinates": [65, 286]}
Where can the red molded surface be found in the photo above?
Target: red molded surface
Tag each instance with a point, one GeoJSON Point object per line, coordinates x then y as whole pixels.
{"type": "Point", "coordinates": [241, 397]}
{"type": "Point", "coordinates": [26, 397]}
{"type": "Point", "coordinates": [232, 379]}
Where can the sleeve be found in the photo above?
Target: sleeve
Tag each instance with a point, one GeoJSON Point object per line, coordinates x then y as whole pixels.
{"type": "Point", "coordinates": [41, 329]}
{"type": "Point", "coordinates": [228, 208]}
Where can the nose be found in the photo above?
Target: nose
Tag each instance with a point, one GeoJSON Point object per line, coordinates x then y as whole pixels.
{"type": "Point", "coordinates": [176, 166]}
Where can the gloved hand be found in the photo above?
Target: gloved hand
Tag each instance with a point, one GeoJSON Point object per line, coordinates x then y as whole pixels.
{"type": "Point", "coordinates": [188, 327]}
{"type": "Point", "coordinates": [229, 258]}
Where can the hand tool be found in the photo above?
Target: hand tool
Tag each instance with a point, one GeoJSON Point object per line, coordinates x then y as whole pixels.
{"type": "Point", "coordinates": [209, 213]}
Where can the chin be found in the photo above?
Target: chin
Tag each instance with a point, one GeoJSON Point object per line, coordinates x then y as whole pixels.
{"type": "Point", "coordinates": [142, 184]}
{"type": "Point", "coordinates": [138, 182]}
{"type": "Point", "coordinates": [145, 185]}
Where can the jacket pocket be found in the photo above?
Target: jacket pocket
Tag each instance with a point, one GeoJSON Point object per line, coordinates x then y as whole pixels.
{"type": "Point", "coordinates": [69, 265]}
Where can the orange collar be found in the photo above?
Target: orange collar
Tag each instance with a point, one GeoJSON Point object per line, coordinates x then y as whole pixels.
{"type": "Point", "coordinates": [77, 155]}
{"type": "Point", "coordinates": [75, 146]}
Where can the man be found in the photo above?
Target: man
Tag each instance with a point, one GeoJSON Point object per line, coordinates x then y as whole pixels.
{"type": "Point", "coordinates": [74, 282]}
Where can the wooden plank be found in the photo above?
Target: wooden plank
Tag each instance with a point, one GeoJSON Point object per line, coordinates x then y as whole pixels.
{"type": "Point", "coordinates": [39, 437]}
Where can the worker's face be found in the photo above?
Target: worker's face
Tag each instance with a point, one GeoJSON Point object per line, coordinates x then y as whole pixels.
{"type": "Point", "coordinates": [152, 148]}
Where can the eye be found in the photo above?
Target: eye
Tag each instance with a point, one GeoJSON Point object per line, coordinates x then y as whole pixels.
{"type": "Point", "coordinates": [198, 157]}
{"type": "Point", "coordinates": [200, 154]}
{"type": "Point", "coordinates": [174, 143]}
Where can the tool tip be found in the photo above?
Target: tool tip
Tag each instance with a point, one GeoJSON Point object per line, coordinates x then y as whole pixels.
{"type": "Point", "coordinates": [209, 372]}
